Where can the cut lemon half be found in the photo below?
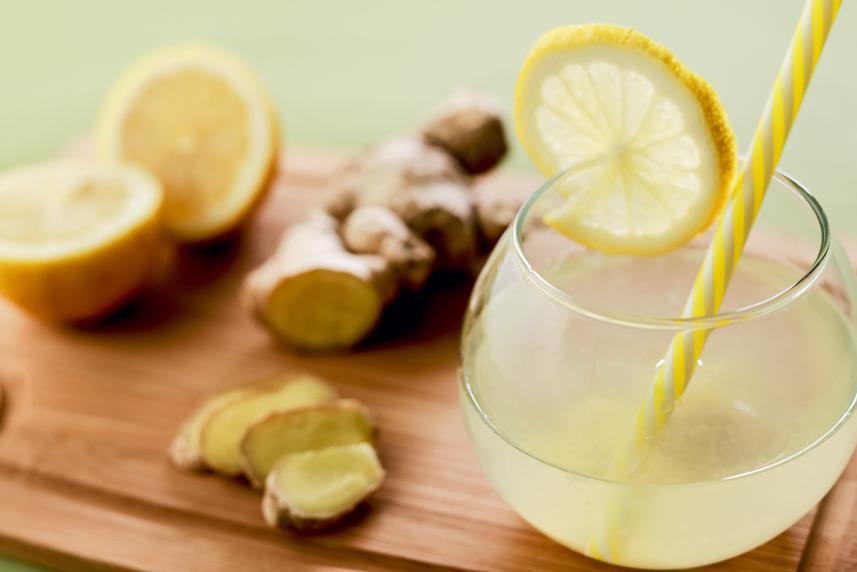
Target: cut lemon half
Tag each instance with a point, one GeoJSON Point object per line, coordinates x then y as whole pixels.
{"type": "Point", "coordinates": [645, 146]}
{"type": "Point", "coordinates": [77, 238]}
{"type": "Point", "coordinates": [198, 118]}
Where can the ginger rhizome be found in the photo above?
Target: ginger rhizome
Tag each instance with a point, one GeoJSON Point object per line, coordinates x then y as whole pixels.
{"type": "Point", "coordinates": [315, 293]}
{"type": "Point", "coordinates": [470, 128]}
{"type": "Point", "coordinates": [398, 212]}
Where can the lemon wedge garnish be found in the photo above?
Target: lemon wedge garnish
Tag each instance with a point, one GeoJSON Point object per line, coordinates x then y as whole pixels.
{"type": "Point", "coordinates": [77, 238]}
{"type": "Point", "coordinates": [199, 119]}
{"type": "Point", "coordinates": [645, 144]}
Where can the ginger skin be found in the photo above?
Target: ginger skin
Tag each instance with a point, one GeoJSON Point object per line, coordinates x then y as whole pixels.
{"type": "Point", "coordinates": [442, 212]}
{"type": "Point", "coordinates": [376, 229]}
{"type": "Point", "coordinates": [470, 128]}
{"type": "Point", "coordinates": [424, 186]}
{"type": "Point", "coordinates": [383, 172]}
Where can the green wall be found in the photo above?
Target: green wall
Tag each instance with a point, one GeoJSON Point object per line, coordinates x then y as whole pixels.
{"type": "Point", "coordinates": [344, 73]}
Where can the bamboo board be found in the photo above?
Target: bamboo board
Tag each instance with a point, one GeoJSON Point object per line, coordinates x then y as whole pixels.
{"type": "Point", "coordinates": [85, 483]}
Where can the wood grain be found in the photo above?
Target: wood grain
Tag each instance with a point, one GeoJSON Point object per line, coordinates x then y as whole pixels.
{"type": "Point", "coordinates": [832, 544]}
{"type": "Point", "coordinates": [84, 479]}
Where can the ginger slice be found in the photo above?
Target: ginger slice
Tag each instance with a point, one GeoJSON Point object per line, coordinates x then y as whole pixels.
{"type": "Point", "coordinates": [186, 447]}
{"type": "Point", "coordinates": [222, 431]}
{"type": "Point", "coordinates": [315, 294]}
{"type": "Point", "coordinates": [342, 422]}
{"type": "Point", "coordinates": [316, 490]}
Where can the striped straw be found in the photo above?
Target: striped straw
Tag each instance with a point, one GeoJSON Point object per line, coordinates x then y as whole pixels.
{"type": "Point", "coordinates": [730, 235]}
{"type": "Point", "coordinates": [734, 226]}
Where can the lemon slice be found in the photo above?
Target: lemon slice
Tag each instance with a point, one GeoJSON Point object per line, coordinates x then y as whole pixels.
{"type": "Point", "coordinates": [200, 121]}
{"type": "Point", "coordinates": [76, 238]}
{"type": "Point", "coordinates": [646, 147]}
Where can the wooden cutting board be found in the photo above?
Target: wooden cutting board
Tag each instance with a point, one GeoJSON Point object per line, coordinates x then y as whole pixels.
{"type": "Point", "coordinates": [85, 483]}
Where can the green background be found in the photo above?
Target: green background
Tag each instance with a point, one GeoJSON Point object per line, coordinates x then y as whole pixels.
{"type": "Point", "coordinates": [346, 73]}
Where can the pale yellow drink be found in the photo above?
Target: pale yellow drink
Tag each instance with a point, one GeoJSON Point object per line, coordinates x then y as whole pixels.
{"type": "Point", "coordinates": [760, 436]}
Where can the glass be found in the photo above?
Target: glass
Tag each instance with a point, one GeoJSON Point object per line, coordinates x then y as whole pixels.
{"type": "Point", "coordinates": [561, 343]}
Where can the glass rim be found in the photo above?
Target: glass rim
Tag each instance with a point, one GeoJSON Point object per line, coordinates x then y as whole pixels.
{"type": "Point", "coordinates": [755, 310]}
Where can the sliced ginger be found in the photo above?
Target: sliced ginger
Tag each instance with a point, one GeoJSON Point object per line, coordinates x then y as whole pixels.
{"type": "Point", "coordinates": [312, 451]}
{"type": "Point", "coordinates": [342, 422]}
{"type": "Point", "coordinates": [315, 490]}
{"type": "Point", "coordinates": [222, 431]}
{"type": "Point", "coordinates": [186, 447]}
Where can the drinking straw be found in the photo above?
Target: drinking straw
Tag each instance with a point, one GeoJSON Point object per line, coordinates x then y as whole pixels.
{"type": "Point", "coordinates": [730, 235]}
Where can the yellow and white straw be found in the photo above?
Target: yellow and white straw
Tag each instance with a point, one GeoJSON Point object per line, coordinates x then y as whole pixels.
{"type": "Point", "coordinates": [730, 235]}
{"type": "Point", "coordinates": [734, 226]}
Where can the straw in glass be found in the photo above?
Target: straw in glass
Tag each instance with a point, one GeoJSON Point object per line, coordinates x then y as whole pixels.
{"type": "Point", "coordinates": [727, 245]}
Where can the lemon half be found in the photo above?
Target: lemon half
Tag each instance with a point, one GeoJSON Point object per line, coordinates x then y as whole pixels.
{"type": "Point", "coordinates": [77, 238]}
{"type": "Point", "coordinates": [646, 144]}
{"type": "Point", "coordinates": [198, 118]}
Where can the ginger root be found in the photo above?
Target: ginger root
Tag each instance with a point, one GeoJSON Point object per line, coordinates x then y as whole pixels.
{"type": "Point", "coordinates": [317, 490]}
{"type": "Point", "coordinates": [423, 185]}
{"type": "Point", "coordinates": [316, 294]}
{"type": "Point", "coordinates": [470, 128]}
{"type": "Point", "coordinates": [382, 173]}
{"type": "Point", "coordinates": [342, 422]}
{"type": "Point", "coordinates": [399, 211]}
{"type": "Point", "coordinates": [442, 212]}
{"type": "Point", "coordinates": [375, 229]}
{"type": "Point", "coordinates": [222, 430]}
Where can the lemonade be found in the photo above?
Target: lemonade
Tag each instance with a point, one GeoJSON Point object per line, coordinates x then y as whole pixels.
{"type": "Point", "coordinates": [720, 479]}
{"type": "Point", "coordinates": [560, 349]}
